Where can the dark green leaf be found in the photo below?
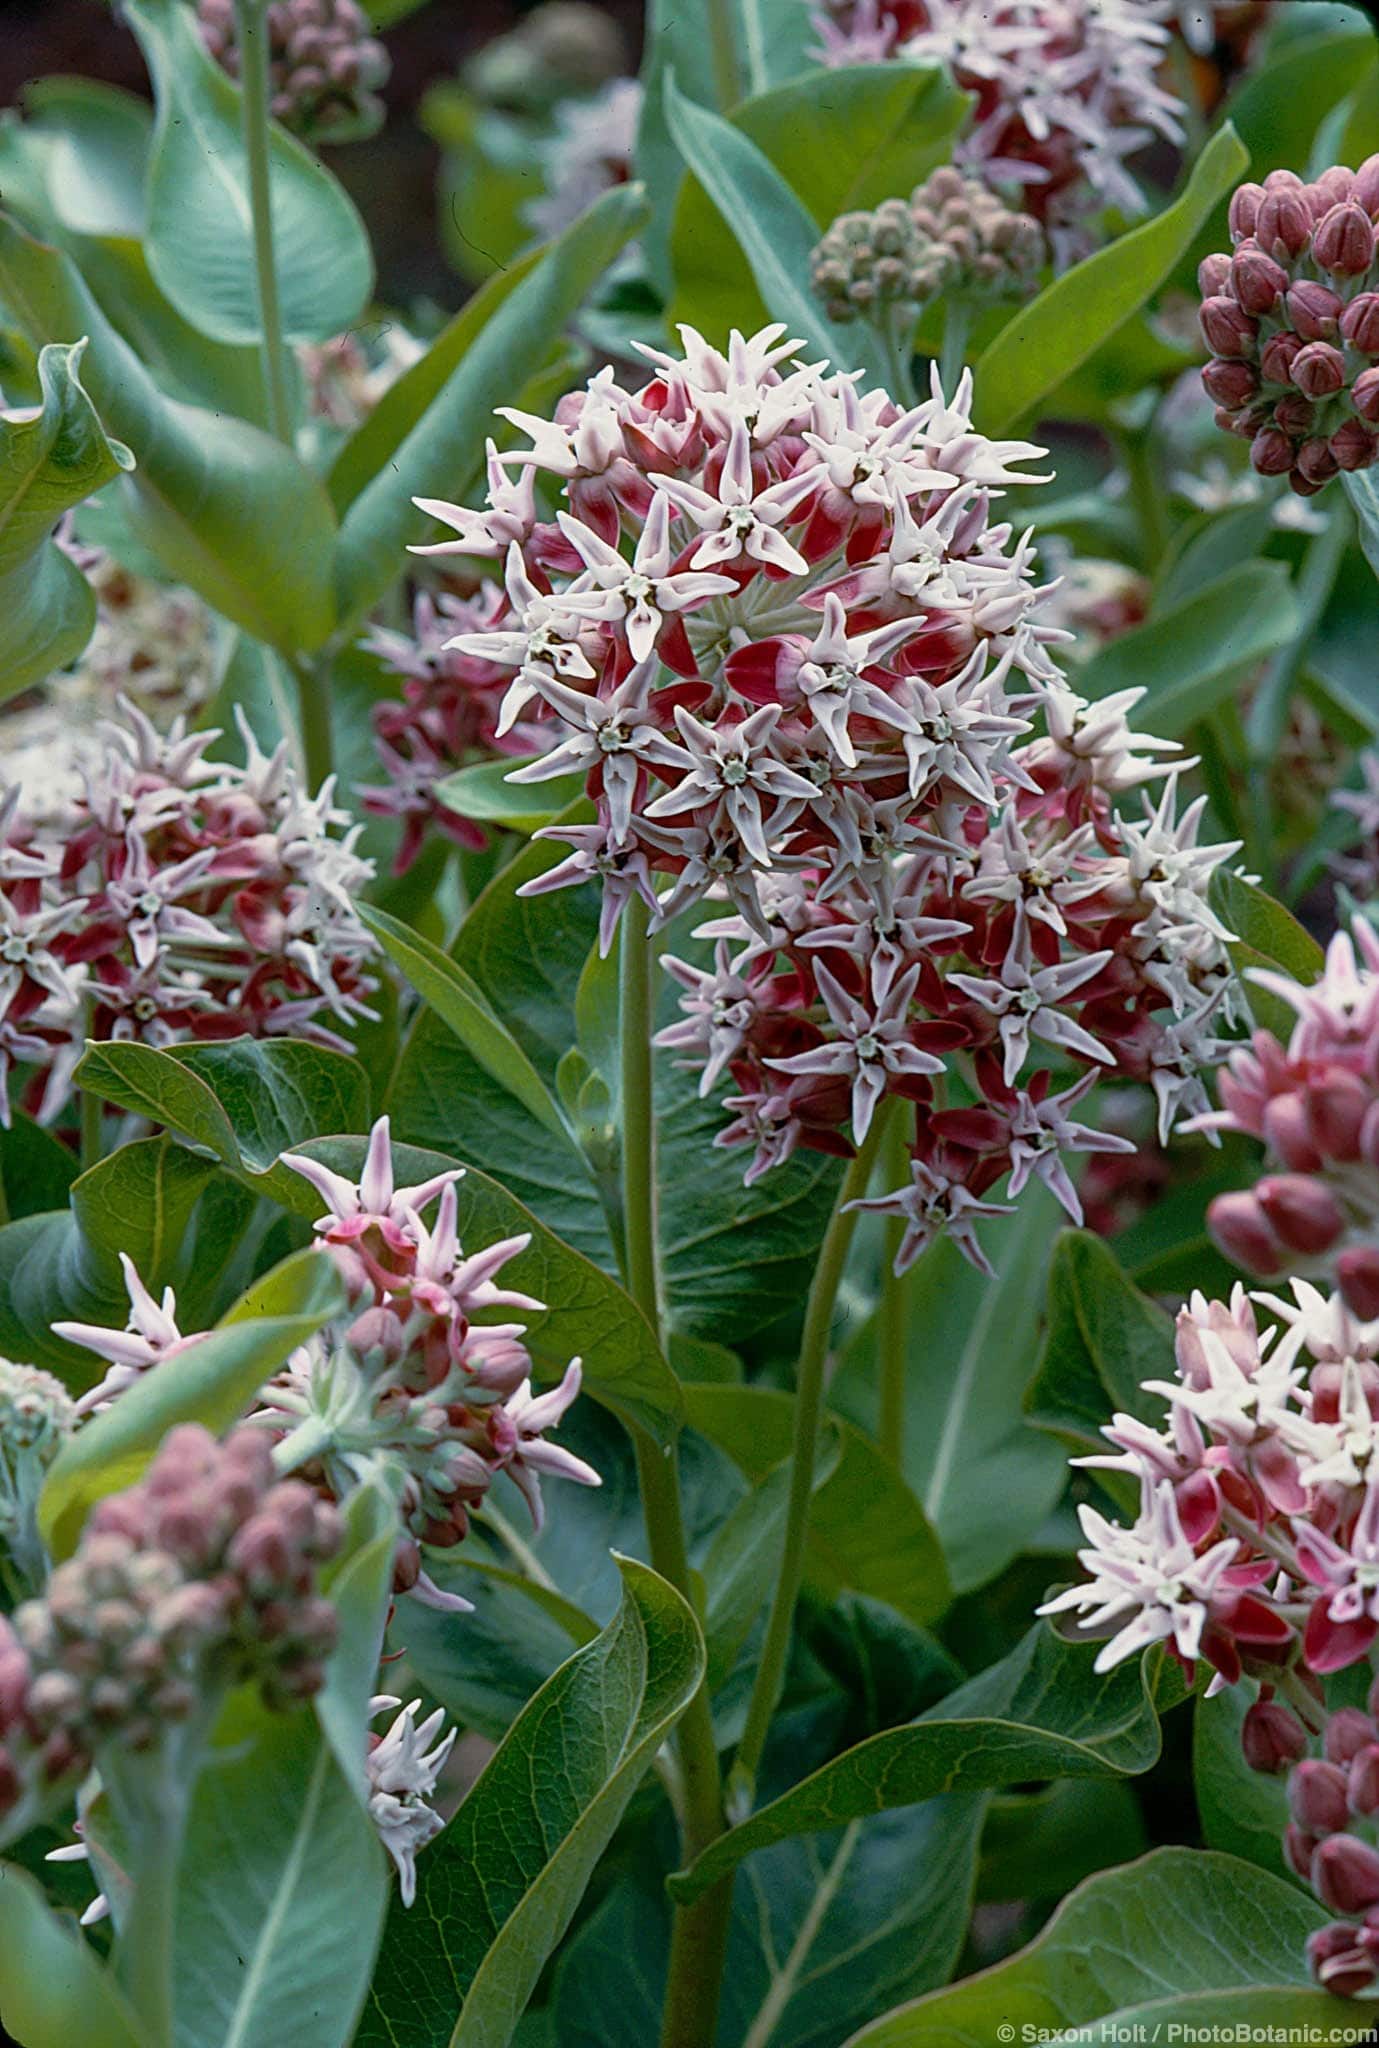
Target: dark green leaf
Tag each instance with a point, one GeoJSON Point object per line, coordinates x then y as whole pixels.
{"type": "Point", "coordinates": [484, 792]}
{"type": "Point", "coordinates": [1038, 1845]}
{"type": "Point", "coordinates": [54, 1990]}
{"type": "Point", "coordinates": [1266, 935]}
{"type": "Point", "coordinates": [200, 227]}
{"type": "Point", "coordinates": [1079, 311]}
{"type": "Point", "coordinates": [1182, 1938]}
{"type": "Point", "coordinates": [1103, 1339]}
{"type": "Point", "coordinates": [1242, 1811]}
{"type": "Point", "coordinates": [48, 464]}
{"type": "Point", "coordinates": [1042, 1713]}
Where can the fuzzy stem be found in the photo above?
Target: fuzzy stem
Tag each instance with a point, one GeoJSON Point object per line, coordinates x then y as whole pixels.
{"type": "Point", "coordinates": [809, 1397]}
{"type": "Point", "coordinates": [890, 1315]}
{"type": "Point", "coordinates": [251, 37]}
{"type": "Point", "coordinates": [310, 1439]}
{"type": "Point", "coordinates": [699, 1933]}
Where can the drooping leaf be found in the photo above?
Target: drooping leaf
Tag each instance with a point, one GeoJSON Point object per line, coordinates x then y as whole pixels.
{"type": "Point", "coordinates": [1082, 309]}
{"type": "Point", "coordinates": [200, 237]}
{"type": "Point", "coordinates": [499, 1887]}
{"type": "Point", "coordinates": [212, 1383]}
{"type": "Point", "coordinates": [1243, 1812]}
{"type": "Point", "coordinates": [281, 1889]}
{"type": "Point", "coordinates": [1182, 1938]}
{"type": "Point", "coordinates": [47, 464]}
{"type": "Point", "coordinates": [1102, 1340]}
{"type": "Point", "coordinates": [1266, 935]}
{"type": "Point", "coordinates": [1189, 657]}
{"type": "Point", "coordinates": [431, 443]}
{"type": "Point", "coordinates": [54, 1989]}
{"type": "Point", "coordinates": [1042, 1713]}
{"type": "Point", "coordinates": [221, 504]}
{"type": "Point", "coordinates": [840, 140]}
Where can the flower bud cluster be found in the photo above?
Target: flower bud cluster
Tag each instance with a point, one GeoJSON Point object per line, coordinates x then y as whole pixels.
{"type": "Point", "coordinates": [448, 717]}
{"type": "Point", "coordinates": [201, 1575]}
{"type": "Point", "coordinates": [1315, 1105]}
{"type": "Point", "coordinates": [559, 49]}
{"type": "Point", "coordinates": [177, 898]}
{"type": "Point", "coordinates": [1066, 90]}
{"type": "Point", "coordinates": [1292, 319]}
{"type": "Point", "coordinates": [324, 67]}
{"type": "Point", "coordinates": [1257, 1549]}
{"type": "Point", "coordinates": [37, 1415]}
{"type": "Point", "coordinates": [953, 236]}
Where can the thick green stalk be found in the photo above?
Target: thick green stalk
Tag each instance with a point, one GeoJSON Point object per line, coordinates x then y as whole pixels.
{"type": "Point", "coordinates": [149, 1798]}
{"type": "Point", "coordinates": [957, 324]}
{"type": "Point", "coordinates": [314, 719]}
{"type": "Point", "coordinates": [699, 1933]}
{"type": "Point", "coordinates": [809, 1401]}
{"type": "Point", "coordinates": [251, 35]}
{"type": "Point", "coordinates": [727, 75]}
{"type": "Point", "coordinates": [890, 1314]}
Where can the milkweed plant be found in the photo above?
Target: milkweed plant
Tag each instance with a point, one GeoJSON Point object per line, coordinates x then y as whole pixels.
{"type": "Point", "coordinates": [689, 1028]}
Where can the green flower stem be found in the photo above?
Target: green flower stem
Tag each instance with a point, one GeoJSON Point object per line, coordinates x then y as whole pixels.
{"type": "Point", "coordinates": [314, 697]}
{"type": "Point", "coordinates": [311, 1439]}
{"type": "Point", "coordinates": [699, 1933]}
{"type": "Point", "coordinates": [1141, 462]}
{"type": "Point", "coordinates": [1268, 715]}
{"type": "Point", "coordinates": [957, 325]}
{"type": "Point", "coordinates": [149, 1796]}
{"type": "Point", "coordinates": [252, 38]}
{"type": "Point", "coordinates": [727, 76]}
{"type": "Point", "coordinates": [809, 1401]}
{"type": "Point", "coordinates": [890, 1317]}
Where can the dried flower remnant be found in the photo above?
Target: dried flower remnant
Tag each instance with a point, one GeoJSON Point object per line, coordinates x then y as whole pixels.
{"type": "Point", "coordinates": [1066, 91]}
{"type": "Point", "coordinates": [1292, 318]}
{"type": "Point", "coordinates": [200, 1577]}
{"type": "Point", "coordinates": [324, 67]}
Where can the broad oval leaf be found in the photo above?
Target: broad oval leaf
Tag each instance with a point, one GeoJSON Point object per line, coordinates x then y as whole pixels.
{"type": "Point", "coordinates": [1243, 1812]}
{"type": "Point", "coordinates": [1188, 658]}
{"type": "Point", "coordinates": [1184, 1937]}
{"type": "Point", "coordinates": [200, 239]}
{"type": "Point", "coordinates": [1037, 350]}
{"type": "Point", "coordinates": [1265, 935]}
{"type": "Point", "coordinates": [500, 1886]}
{"type": "Point", "coordinates": [1103, 1338]}
{"type": "Point", "coordinates": [48, 462]}
{"type": "Point", "coordinates": [1041, 1713]}
{"type": "Point", "coordinates": [281, 1889]}
{"type": "Point", "coordinates": [483, 792]}
{"type": "Point", "coordinates": [54, 1990]}
{"type": "Point", "coordinates": [431, 441]}
{"type": "Point", "coordinates": [212, 1383]}
{"type": "Point", "coordinates": [221, 504]}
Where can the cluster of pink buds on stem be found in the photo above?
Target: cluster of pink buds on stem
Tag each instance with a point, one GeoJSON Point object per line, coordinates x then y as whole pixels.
{"type": "Point", "coordinates": [447, 717]}
{"type": "Point", "coordinates": [1256, 1549]}
{"type": "Point", "coordinates": [418, 1374]}
{"type": "Point", "coordinates": [1292, 319]}
{"type": "Point", "coordinates": [1315, 1105]}
{"type": "Point", "coordinates": [1066, 90]}
{"type": "Point", "coordinates": [324, 67]}
{"type": "Point", "coordinates": [201, 1576]}
{"type": "Point", "coordinates": [181, 898]}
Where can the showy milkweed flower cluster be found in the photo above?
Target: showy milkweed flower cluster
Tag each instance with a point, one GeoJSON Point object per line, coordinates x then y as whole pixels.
{"type": "Point", "coordinates": [1315, 1105]}
{"type": "Point", "coordinates": [1066, 90]}
{"type": "Point", "coordinates": [791, 649]}
{"type": "Point", "coordinates": [180, 898]}
{"type": "Point", "coordinates": [415, 1373]}
{"type": "Point", "coordinates": [201, 1576]}
{"type": "Point", "coordinates": [1292, 318]}
{"type": "Point", "coordinates": [324, 67]}
{"type": "Point", "coordinates": [1256, 1549]}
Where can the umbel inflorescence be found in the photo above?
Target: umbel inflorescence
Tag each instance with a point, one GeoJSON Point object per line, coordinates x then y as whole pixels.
{"type": "Point", "coordinates": [801, 664]}
{"type": "Point", "coordinates": [953, 237]}
{"type": "Point", "coordinates": [1292, 318]}
{"type": "Point", "coordinates": [1256, 1550]}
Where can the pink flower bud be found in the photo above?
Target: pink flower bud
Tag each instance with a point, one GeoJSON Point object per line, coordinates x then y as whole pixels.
{"type": "Point", "coordinates": [1343, 241]}
{"type": "Point", "coordinates": [1226, 328]}
{"type": "Point", "coordinates": [1244, 210]}
{"type": "Point", "coordinates": [1213, 275]}
{"type": "Point", "coordinates": [1338, 1962]}
{"type": "Point", "coordinates": [1304, 1212]}
{"type": "Point", "coordinates": [1287, 1131]}
{"type": "Point", "coordinates": [1332, 188]}
{"type": "Point", "coordinates": [1295, 415]}
{"type": "Point", "coordinates": [1276, 357]}
{"type": "Point", "coordinates": [1272, 1736]}
{"type": "Point", "coordinates": [1345, 1874]}
{"type": "Point", "coordinates": [11, 1784]}
{"type": "Point", "coordinates": [1298, 1849]}
{"type": "Point", "coordinates": [1319, 370]}
{"type": "Point", "coordinates": [1366, 190]}
{"type": "Point", "coordinates": [1354, 445]}
{"type": "Point", "coordinates": [1316, 464]}
{"type": "Point", "coordinates": [1271, 452]}
{"type": "Point", "coordinates": [1231, 383]}
{"type": "Point", "coordinates": [1336, 1103]}
{"type": "Point", "coordinates": [1317, 1797]}
{"type": "Point", "coordinates": [1364, 395]}
{"type": "Point", "coordinates": [1314, 311]}
{"type": "Point", "coordinates": [1357, 1276]}
{"type": "Point", "coordinates": [1348, 1731]}
{"type": "Point", "coordinates": [1360, 323]}
{"type": "Point", "coordinates": [1237, 1221]}
{"type": "Point", "coordinates": [1257, 281]}
{"type": "Point", "coordinates": [1363, 1783]}
{"type": "Point", "coordinates": [1283, 225]}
